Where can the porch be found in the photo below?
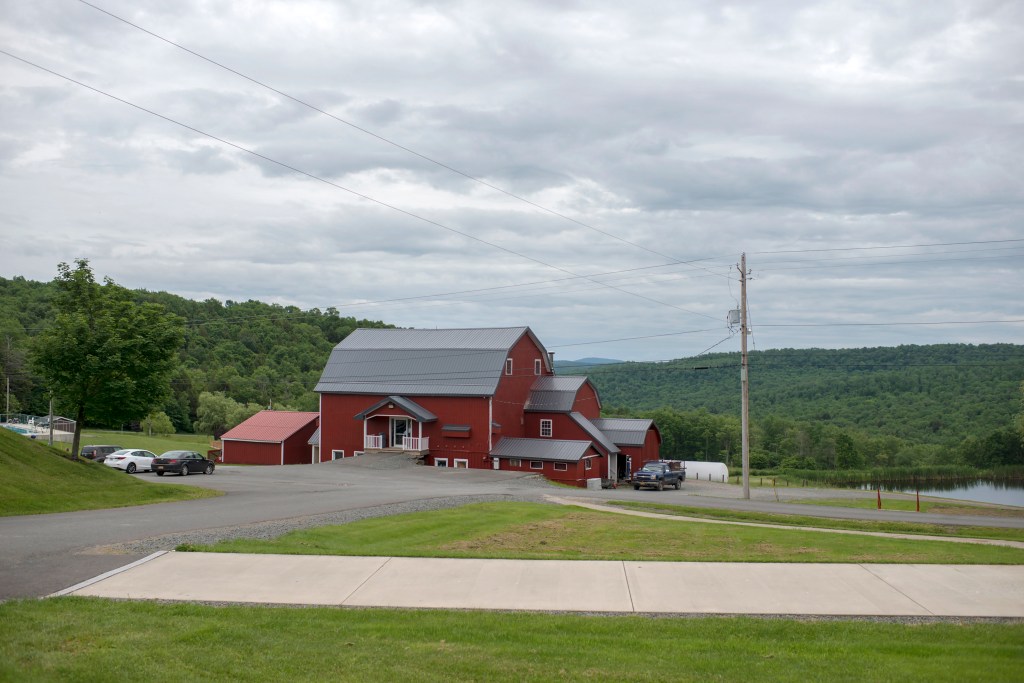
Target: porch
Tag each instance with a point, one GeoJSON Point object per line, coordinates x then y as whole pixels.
{"type": "Point", "coordinates": [411, 445]}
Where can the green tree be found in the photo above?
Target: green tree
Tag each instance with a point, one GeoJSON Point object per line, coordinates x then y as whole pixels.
{"type": "Point", "coordinates": [157, 423]}
{"type": "Point", "coordinates": [218, 413]}
{"type": "Point", "coordinates": [105, 357]}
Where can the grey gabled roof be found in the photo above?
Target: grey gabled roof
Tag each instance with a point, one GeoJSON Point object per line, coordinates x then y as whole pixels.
{"type": "Point", "coordinates": [315, 439]}
{"type": "Point", "coordinates": [624, 431]}
{"type": "Point", "coordinates": [541, 449]}
{"type": "Point", "coordinates": [554, 394]}
{"type": "Point", "coordinates": [594, 433]}
{"type": "Point", "coordinates": [467, 362]}
{"type": "Point", "coordinates": [409, 406]}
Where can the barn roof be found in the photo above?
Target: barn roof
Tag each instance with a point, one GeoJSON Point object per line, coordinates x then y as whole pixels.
{"type": "Point", "coordinates": [270, 426]}
{"type": "Point", "coordinates": [623, 431]}
{"type": "Point", "coordinates": [594, 433]}
{"type": "Point", "coordinates": [541, 449]}
{"type": "Point", "coordinates": [554, 394]}
{"type": "Point", "coordinates": [414, 409]}
{"type": "Point", "coordinates": [465, 362]}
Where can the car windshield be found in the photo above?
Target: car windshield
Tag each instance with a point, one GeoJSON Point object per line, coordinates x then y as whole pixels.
{"type": "Point", "coordinates": [652, 467]}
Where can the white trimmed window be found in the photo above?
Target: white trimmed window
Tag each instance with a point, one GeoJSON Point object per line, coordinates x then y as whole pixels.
{"type": "Point", "coordinates": [587, 464]}
{"type": "Point", "coordinates": [508, 366]}
{"type": "Point", "coordinates": [515, 462]}
{"type": "Point", "coordinates": [545, 428]}
{"type": "Point", "coordinates": [561, 467]}
{"type": "Point", "coordinates": [440, 462]}
{"type": "Point", "coordinates": [461, 463]}
{"type": "Point", "coordinates": [537, 366]}
{"type": "Point", "coordinates": [337, 455]}
{"type": "Point", "coordinates": [536, 465]}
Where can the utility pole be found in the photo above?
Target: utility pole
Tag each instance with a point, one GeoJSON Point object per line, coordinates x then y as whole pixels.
{"type": "Point", "coordinates": [49, 423]}
{"type": "Point", "coordinates": [744, 380]}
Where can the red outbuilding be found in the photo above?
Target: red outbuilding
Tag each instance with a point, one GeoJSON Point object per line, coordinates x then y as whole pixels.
{"type": "Point", "coordinates": [475, 398]}
{"type": "Point", "coordinates": [272, 437]}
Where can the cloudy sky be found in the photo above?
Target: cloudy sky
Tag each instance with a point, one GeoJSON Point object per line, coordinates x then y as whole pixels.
{"type": "Point", "coordinates": [591, 169]}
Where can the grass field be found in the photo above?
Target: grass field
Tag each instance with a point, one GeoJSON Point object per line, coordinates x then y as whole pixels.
{"type": "Point", "coordinates": [922, 528]}
{"type": "Point", "coordinates": [38, 479]}
{"type": "Point", "coordinates": [536, 531]}
{"type": "Point", "coordinates": [156, 444]}
{"type": "Point", "coordinates": [80, 639]}
{"type": "Point", "coordinates": [928, 506]}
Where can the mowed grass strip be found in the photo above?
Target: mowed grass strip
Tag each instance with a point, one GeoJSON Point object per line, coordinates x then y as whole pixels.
{"type": "Point", "coordinates": [544, 532]}
{"type": "Point", "coordinates": [82, 639]}
{"type": "Point", "coordinates": [156, 444]}
{"type": "Point", "coordinates": [928, 506]}
{"type": "Point", "coordinates": [35, 479]}
{"type": "Point", "coordinates": [920, 528]}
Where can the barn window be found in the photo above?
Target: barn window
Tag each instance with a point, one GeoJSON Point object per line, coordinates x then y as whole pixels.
{"type": "Point", "coordinates": [561, 467]}
{"type": "Point", "coordinates": [545, 428]}
{"type": "Point", "coordinates": [515, 462]}
{"type": "Point", "coordinates": [337, 455]}
{"type": "Point", "coordinates": [440, 462]}
{"type": "Point", "coordinates": [536, 465]}
{"type": "Point", "coordinates": [587, 464]}
{"type": "Point", "coordinates": [536, 366]}
{"type": "Point", "coordinates": [508, 366]}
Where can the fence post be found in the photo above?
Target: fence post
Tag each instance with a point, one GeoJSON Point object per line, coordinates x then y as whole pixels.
{"type": "Point", "coordinates": [879, 497]}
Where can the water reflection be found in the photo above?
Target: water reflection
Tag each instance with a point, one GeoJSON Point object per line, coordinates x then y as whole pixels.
{"type": "Point", "coordinates": [981, 491]}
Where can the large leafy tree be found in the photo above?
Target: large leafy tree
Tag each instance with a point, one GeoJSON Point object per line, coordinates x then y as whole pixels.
{"type": "Point", "coordinates": [105, 357]}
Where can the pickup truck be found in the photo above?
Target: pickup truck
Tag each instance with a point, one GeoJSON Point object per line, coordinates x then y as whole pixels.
{"type": "Point", "coordinates": [659, 475]}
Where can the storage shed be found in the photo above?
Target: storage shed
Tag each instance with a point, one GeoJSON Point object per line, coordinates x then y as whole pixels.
{"type": "Point", "coordinates": [272, 437]}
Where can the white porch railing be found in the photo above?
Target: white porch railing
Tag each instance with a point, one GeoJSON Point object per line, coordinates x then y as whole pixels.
{"type": "Point", "coordinates": [371, 441]}
{"type": "Point", "coordinates": [413, 443]}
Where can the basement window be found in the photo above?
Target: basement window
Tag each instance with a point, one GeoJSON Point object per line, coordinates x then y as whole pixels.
{"type": "Point", "coordinates": [536, 465]}
{"type": "Point", "coordinates": [561, 467]}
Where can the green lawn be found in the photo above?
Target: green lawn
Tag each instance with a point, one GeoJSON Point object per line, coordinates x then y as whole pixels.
{"type": "Point", "coordinates": [536, 531]}
{"type": "Point", "coordinates": [922, 528]}
{"type": "Point", "coordinates": [928, 506]}
{"type": "Point", "coordinates": [35, 478]}
{"type": "Point", "coordinates": [156, 444]}
{"type": "Point", "coordinates": [81, 639]}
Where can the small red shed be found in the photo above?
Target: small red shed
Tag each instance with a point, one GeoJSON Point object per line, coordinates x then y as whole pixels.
{"type": "Point", "coordinates": [271, 437]}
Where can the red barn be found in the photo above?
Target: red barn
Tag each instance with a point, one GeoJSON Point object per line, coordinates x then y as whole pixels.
{"type": "Point", "coordinates": [482, 398]}
{"type": "Point", "coordinates": [272, 437]}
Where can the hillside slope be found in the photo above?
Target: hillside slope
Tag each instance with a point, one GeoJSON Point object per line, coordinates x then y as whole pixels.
{"type": "Point", "coordinates": [928, 394]}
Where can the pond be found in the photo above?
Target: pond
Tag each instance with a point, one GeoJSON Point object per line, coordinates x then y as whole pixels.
{"type": "Point", "coordinates": [979, 491]}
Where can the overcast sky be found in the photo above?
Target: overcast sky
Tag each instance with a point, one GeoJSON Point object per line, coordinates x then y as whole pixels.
{"type": "Point", "coordinates": [866, 156]}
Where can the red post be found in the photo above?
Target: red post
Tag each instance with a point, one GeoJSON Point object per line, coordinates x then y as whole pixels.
{"type": "Point", "coordinates": [879, 497]}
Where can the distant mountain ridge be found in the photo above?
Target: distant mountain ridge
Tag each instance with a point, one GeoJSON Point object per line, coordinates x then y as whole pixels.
{"type": "Point", "coordinates": [585, 362]}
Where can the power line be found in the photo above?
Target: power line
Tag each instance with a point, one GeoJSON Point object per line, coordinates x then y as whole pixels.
{"type": "Point", "coordinates": [345, 189]}
{"type": "Point", "coordinates": [379, 137]}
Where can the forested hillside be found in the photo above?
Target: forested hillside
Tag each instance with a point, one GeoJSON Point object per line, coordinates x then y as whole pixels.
{"type": "Point", "coordinates": [937, 394]}
{"type": "Point", "coordinates": [252, 352]}
{"type": "Point", "coordinates": [810, 409]}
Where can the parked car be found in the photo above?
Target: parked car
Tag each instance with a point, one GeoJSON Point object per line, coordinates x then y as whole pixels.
{"type": "Point", "coordinates": [659, 475]}
{"type": "Point", "coordinates": [131, 460]}
{"type": "Point", "coordinates": [183, 463]}
{"type": "Point", "coordinates": [98, 453]}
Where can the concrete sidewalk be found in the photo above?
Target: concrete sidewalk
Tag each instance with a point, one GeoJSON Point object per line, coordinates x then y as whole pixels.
{"type": "Point", "coordinates": [572, 586]}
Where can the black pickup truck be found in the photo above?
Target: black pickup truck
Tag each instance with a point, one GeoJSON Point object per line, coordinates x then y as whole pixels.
{"type": "Point", "coordinates": [659, 475]}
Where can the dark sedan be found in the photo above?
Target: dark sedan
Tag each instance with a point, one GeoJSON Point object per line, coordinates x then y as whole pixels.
{"type": "Point", "coordinates": [183, 463]}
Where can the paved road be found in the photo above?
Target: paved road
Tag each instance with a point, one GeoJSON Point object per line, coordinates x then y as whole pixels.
{"type": "Point", "coordinates": [42, 554]}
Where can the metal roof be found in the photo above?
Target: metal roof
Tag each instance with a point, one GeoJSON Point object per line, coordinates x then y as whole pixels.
{"type": "Point", "coordinates": [624, 431]}
{"type": "Point", "coordinates": [270, 426]}
{"type": "Point", "coordinates": [467, 362]}
{"type": "Point", "coordinates": [554, 394]}
{"type": "Point", "coordinates": [596, 434]}
{"type": "Point", "coordinates": [541, 449]}
{"type": "Point", "coordinates": [409, 406]}
{"type": "Point", "coordinates": [315, 439]}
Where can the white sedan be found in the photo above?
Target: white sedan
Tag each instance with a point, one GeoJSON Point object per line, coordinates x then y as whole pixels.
{"type": "Point", "coordinates": [131, 460]}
